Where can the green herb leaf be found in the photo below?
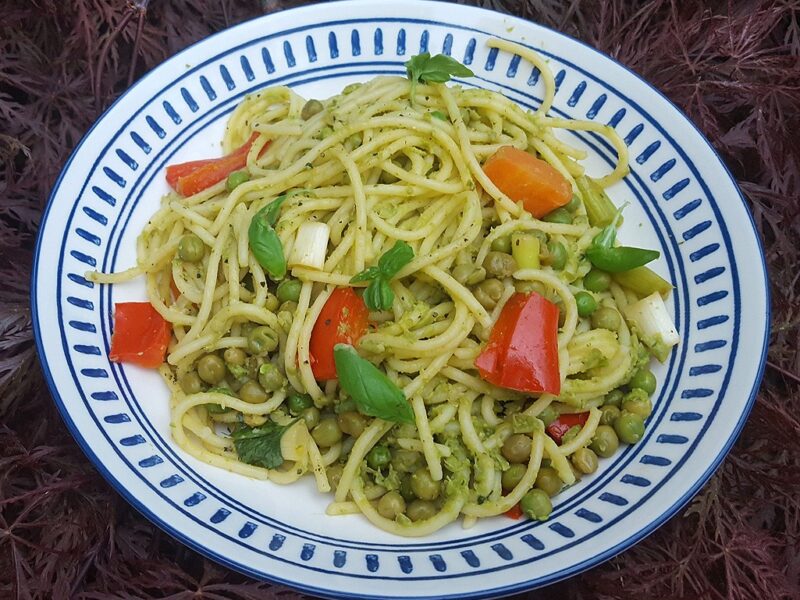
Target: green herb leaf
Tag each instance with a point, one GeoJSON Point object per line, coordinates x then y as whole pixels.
{"type": "Point", "coordinates": [261, 446]}
{"type": "Point", "coordinates": [366, 275]}
{"type": "Point", "coordinates": [266, 246]}
{"type": "Point", "coordinates": [374, 394]}
{"type": "Point", "coordinates": [379, 294]}
{"type": "Point", "coordinates": [394, 259]}
{"type": "Point", "coordinates": [435, 69]}
{"type": "Point", "coordinates": [438, 114]}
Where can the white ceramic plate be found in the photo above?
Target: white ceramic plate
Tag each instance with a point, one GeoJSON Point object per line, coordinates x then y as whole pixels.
{"type": "Point", "coordinates": [683, 201]}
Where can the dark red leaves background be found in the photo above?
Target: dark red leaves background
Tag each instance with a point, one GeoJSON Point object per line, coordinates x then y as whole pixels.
{"type": "Point", "coordinates": [734, 67]}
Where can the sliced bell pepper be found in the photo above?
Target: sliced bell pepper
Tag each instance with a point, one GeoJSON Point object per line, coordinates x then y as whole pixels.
{"type": "Point", "coordinates": [558, 428]}
{"type": "Point", "coordinates": [522, 352]}
{"type": "Point", "coordinates": [194, 176]}
{"type": "Point", "coordinates": [515, 512]}
{"type": "Point", "coordinates": [343, 320]}
{"type": "Point", "coordinates": [141, 335]}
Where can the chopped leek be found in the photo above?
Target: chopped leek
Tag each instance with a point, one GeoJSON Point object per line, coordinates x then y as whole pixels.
{"type": "Point", "coordinates": [310, 246]}
{"type": "Point", "coordinates": [651, 321]}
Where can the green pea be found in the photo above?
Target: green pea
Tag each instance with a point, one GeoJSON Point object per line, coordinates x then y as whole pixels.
{"type": "Point", "coordinates": [191, 248]}
{"type": "Point", "coordinates": [211, 369]}
{"type": "Point", "coordinates": [548, 481]}
{"type": "Point", "coordinates": [489, 292]}
{"type": "Point", "coordinates": [379, 457]}
{"type": "Point", "coordinates": [597, 281]}
{"type": "Point", "coordinates": [637, 402]}
{"type": "Point", "coordinates": [536, 505]}
{"type": "Point", "coordinates": [327, 433]}
{"type": "Point", "coordinates": [614, 398]}
{"type": "Point", "coordinates": [606, 318]}
{"type": "Point", "coordinates": [262, 340]}
{"type": "Point", "coordinates": [234, 356]}
{"type": "Point", "coordinates": [556, 255]}
{"type": "Point", "coordinates": [609, 414]}
{"type": "Point", "coordinates": [270, 378]}
{"type": "Point", "coordinates": [325, 132]}
{"type": "Point", "coordinates": [584, 460]}
{"type": "Point", "coordinates": [548, 415]}
{"type": "Point", "coordinates": [513, 475]}
{"type": "Point", "coordinates": [252, 393]}
{"type": "Point", "coordinates": [288, 290]}
{"type": "Point", "coordinates": [352, 422]}
{"type": "Point", "coordinates": [236, 179]}
{"type": "Point", "coordinates": [406, 461]}
{"type": "Point", "coordinates": [297, 403]}
{"type": "Point", "coordinates": [423, 486]}
{"type": "Point", "coordinates": [573, 204]}
{"type": "Point", "coordinates": [468, 274]}
{"type": "Point", "coordinates": [191, 383]}
{"type": "Point", "coordinates": [502, 244]}
{"type": "Point", "coordinates": [559, 215]}
{"type": "Point", "coordinates": [419, 510]}
{"type": "Point", "coordinates": [586, 303]}
{"type": "Point", "coordinates": [499, 264]}
{"type": "Point", "coordinates": [391, 504]}
{"type": "Point", "coordinates": [271, 303]}
{"type": "Point", "coordinates": [311, 108]}
{"type": "Point", "coordinates": [629, 427]}
{"type": "Point", "coordinates": [353, 141]}
{"type": "Point", "coordinates": [605, 441]}
{"type": "Point", "coordinates": [526, 287]}
{"type": "Point", "coordinates": [311, 416]}
{"type": "Point", "coordinates": [644, 379]}
{"type": "Point", "coordinates": [517, 448]}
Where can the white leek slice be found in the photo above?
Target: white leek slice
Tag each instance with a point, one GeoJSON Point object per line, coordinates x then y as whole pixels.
{"type": "Point", "coordinates": [294, 442]}
{"type": "Point", "coordinates": [310, 246]}
{"type": "Point", "coordinates": [652, 322]}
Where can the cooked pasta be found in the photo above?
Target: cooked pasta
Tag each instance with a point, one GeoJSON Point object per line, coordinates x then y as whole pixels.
{"type": "Point", "coordinates": [388, 164]}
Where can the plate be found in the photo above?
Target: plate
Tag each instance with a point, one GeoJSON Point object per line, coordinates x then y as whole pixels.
{"type": "Point", "coordinates": [683, 201]}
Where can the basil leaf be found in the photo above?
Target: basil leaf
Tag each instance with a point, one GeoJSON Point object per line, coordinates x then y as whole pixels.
{"type": "Point", "coordinates": [366, 275]}
{"type": "Point", "coordinates": [266, 245]}
{"type": "Point", "coordinates": [394, 259]}
{"type": "Point", "coordinates": [438, 114]}
{"type": "Point", "coordinates": [273, 210]}
{"type": "Point", "coordinates": [374, 394]}
{"type": "Point", "coordinates": [261, 446]}
{"type": "Point", "coordinates": [435, 69]}
{"type": "Point", "coordinates": [379, 294]}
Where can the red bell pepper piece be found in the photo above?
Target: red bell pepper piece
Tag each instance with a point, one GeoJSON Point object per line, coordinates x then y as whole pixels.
{"type": "Point", "coordinates": [194, 176]}
{"type": "Point", "coordinates": [343, 320]}
{"type": "Point", "coordinates": [141, 335]}
{"type": "Point", "coordinates": [515, 512]}
{"type": "Point", "coordinates": [522, 352]}
{"type": "Point", "coordinates": [558, 428]}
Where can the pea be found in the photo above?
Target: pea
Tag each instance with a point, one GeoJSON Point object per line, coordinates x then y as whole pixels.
{"type": "Point", "coordinates": [311, 417]}
{"type": "Point", "coordinates": [637, 402]}
{"type": "Point", "coordinates": [211, 369]}
{"type": "Point", "coordinates": [536, 505]}
{"type": "Point", "coordinates": [334, 473]}
{"type": "Point", "coordinates": [548, 481]}
{"type": "Point", "coordinates": [191, 383]}
{"type": "Point", "coordinates": [271, 302]}
{"type": "Point", "coordinates": [573, 204]}
{"type": "Point", "coordinates": [406, 461]}
{"type": "Point", "coordinates": [469, 274]}
{"type": "Point", "coordinates": [353, 141]}
{"type": "Point", "coordinates": [609, 414]}
{"type": "Point", "coordinates": [502, 244]}
{"type": "Point", "coordinates": [586, 303]}
{"type": "Point", "coordinates": [584, 460]}
{"type": "Point", "coordinates": [327, 433]}
{"type": "Point", "coordinates": [325, 132]}
{"type": "Point", "coordinates": [405, 489]}
{"type": "Point", "coordinates": [513, 475]}
{"type": "Point", "coordinates": [605, 441]}
{"type": "Point", "coordinates": [499, 264]}
{"type": "Point", "coordinates": [548, 415]}
{"type": "Point", "coordinates": [297, 403]}
{"type": "Point", "coordinates": [191, 248]}
{"type": "Point", "coordinates": [613, 398]}
{"type": "Point", "coordinates": [379, 457]}
{"type": "Point", "coordinates": [423, 486]}
{"type": "Point", "coordinates": [270, 378]}
{"type": "Point", "coordinates": [262, 340]}
{"type": "Point", "coordinates": [517, 448]}
{"type": "Point", "coordinates": [597, 281]}
{"type": "Point", "coordinates": [526, 287]}
{"type": "Point", "coordinates": [606, 318]}
{"type": "Point", "coordinates": [559, 215]}
{"type": "Point", "coordinates": [234, 356]}
{"type": "Point", "coordinates": [289, 290]}
{"type": "Point", "coordinates": [311, 108]}
{"type": "Point", "coordinates": [488, 293]}
{"type": "Point", "coordinates": [556, 255]}
{"type": "Point", "coordinates": [391, 504]}
{"type": "Point", "coordinates": [352, 423]}
{"type": "Point", "coordinates": [252, 392]}
{"type": "Point", "coordinates": [644, 379]}
{"type": "Point", "coordinates": [236, 179]}
{"type": "Point", "coordinates": [629, 427]}
{"type": "Point", "coordinates": [419, 510]}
